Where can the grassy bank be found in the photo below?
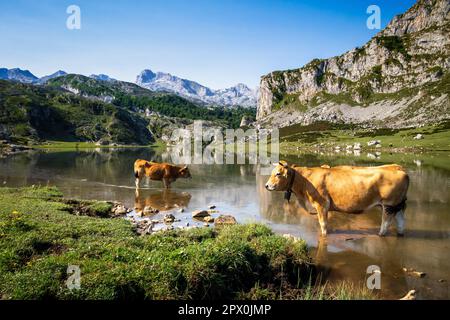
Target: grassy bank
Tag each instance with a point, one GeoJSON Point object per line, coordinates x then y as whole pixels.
{"type": "Point", "coordinates": [88, 145]}
{"type": "Point", "coordinates": [40, 238]}
{"type": "Point", "coordinates": [325, 135]}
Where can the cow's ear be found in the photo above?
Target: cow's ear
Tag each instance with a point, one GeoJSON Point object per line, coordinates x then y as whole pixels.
{"type": "Point", "coordinates": [284, 164]}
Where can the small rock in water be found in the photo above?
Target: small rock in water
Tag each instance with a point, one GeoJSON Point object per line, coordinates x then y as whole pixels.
{"type": "Point", "coordinates": [181, 210]}
{"type": "Point", "coordinates": [119, 209]}
{"type": "Point", "coordinates": [206, 224]}
{"type": "Point", "coordinates": [169, 218]}
{"type": "Point", "coordinates": [414, 273]}
{"type": "Point", "coordinates": [411, 295]}
{"type": "Point", "coordinates": [200, 213]}
{"type": "Point", "coordinates": [225, 220]}
{"type": "Point", "coordinates": [187, 224]}
{"type": "Point", "coordinates": [149, 210]}
{"type": "Point", "coordinates": [211, 207]}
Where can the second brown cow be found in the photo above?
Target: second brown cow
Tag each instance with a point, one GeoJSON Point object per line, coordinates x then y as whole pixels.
{"type": "Point", "coordinates": [165, 172]}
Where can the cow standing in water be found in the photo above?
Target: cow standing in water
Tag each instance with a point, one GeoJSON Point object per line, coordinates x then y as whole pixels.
{"type": "Point", "coordinates": [346, 189]}
{"type": "Point", "coordinates": [165, 172]}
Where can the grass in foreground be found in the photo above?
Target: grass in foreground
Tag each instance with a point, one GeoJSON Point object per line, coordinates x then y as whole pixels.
{"type": "Point", "coordinates": [39, 239]}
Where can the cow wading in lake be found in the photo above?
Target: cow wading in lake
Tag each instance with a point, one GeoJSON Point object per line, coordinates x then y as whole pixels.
{"type": "Point", "coordinates": [165, 172]}
{"type": "Point", "coordinates": [346, 189]}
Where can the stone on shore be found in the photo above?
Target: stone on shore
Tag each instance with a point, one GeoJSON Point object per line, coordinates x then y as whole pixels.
{"type": "Point", "coordinates": [200, 213]}
{"type": "Point", "coordinates": [223, 220]}
{"type": "Point", "coordinates": [411, 295]}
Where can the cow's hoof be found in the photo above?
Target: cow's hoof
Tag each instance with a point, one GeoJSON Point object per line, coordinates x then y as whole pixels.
{"type": "Point", "coordinates": [382, 234]}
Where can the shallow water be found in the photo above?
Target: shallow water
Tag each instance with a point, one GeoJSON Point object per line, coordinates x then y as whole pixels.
{"type": "Point", "coordinates": [351, 246]}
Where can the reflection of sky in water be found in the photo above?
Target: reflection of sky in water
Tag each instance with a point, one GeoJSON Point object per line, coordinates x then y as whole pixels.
{"type": "Point", "coordinates": [239, 190]}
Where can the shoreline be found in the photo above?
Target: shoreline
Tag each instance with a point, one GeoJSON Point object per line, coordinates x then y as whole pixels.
{"type": "Point", "coordinates": [43, 214]}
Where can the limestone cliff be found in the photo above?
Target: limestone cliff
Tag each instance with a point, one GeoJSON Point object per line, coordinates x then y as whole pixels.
{"type": "Point", "coordinates": [402, 72]}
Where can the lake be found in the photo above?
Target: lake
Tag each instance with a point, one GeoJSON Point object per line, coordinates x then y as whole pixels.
{"type": "Point", "coordinates": [351, 246]}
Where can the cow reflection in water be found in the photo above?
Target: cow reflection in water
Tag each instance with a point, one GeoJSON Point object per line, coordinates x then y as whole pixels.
{"type": "Point", "coordinates": [343, 225]}
{"type": "Point", "coordinates": [164, 200]}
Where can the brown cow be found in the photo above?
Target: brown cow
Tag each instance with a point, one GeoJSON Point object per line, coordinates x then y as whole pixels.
{"type": "Point", "coordinates": [346, 189]}
{"type": "Point", "coordinates": [165, 172]}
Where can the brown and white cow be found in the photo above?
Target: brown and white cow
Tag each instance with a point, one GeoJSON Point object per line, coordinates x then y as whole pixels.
{"type": "Point", "coordinates": [346, 189]}
{"type": "Point", "coordinates": [165, 172]}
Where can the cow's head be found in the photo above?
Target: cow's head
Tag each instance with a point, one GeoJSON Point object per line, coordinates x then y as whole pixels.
{"type": "Point", "coordinates": [184, 172]}
{"type": "Point", "coordinates": [279, 179]}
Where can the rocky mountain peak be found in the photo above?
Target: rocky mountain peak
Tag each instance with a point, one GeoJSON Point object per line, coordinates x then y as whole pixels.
{"type": "Point", "coordinates": [424, 14]}
{"type": "Point", "coordinates": [409, 58]}
{"type": "Point", "coordinates": [239, 95]}
{"type": "Point", "coordinates": [101, 77]}
{"type": "Point", "coordinates": [17, 74]}
{"type": "Point", "coordinates": [145, 76]}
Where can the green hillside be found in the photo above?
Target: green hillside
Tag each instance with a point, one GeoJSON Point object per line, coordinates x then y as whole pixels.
{"type": "Point", "coordinates": [135, 98]}
{"type": "Point", "coordinates": [30, 112]}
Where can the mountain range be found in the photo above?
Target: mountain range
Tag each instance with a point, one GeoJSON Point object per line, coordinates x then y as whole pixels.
{"type": "Point", "coordinates": [399, 78]}
{"type": "Point", "coordinates": [73, 107]}
{"type": "Point", "coordinates": [239, 95]}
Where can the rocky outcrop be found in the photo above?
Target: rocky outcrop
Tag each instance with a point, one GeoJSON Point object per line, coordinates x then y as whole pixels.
{"type": "Point", "coordinates": [394, 69]}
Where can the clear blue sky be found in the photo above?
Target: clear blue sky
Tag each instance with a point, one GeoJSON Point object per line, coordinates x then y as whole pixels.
{"type": "Point", "coordinates": [215, 42]}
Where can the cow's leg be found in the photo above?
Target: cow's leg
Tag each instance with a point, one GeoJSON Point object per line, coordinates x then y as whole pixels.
{"type": "Point", "coordinates": [400, 219]}
{"type": "Point", "coordinates": [386, 220]}
{"type": "Point", "coordinates": [136, 194]}
{"type": "Point", "coordinates": [166, 183]}
{"type": "Point", "coordinates": [322, 214]}
{"type": "Point", "coordinates": [137, 183]}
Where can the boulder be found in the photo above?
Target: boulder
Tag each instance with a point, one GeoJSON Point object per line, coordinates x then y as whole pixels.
{"type": "Point", "coordinates": [225, 220]}
{"type": "Point", "coordinates": [411, 295]}
{"type": "Point", "coordinates": [357, 146]}
{"type": "Point", "coordinates": [149, 210]}
{"type": "Point", "coordinates": [169, 218]}
{"type": "Point", "coordinates": [245, 122]}
{"type": "Point", "coordinates": [102, 142]}
{"type": "Point", "coordinates": [200, 213]}
{"type": "Point", "coordinates": [119, 209]}
{"type": "Point", "coordinates": [208, 219]}
{"type": "Point", "coordinates": [373, 143]}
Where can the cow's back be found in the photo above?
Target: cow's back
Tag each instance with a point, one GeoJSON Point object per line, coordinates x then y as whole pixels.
{"type": "Point", "coordinates": [355, 189]}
